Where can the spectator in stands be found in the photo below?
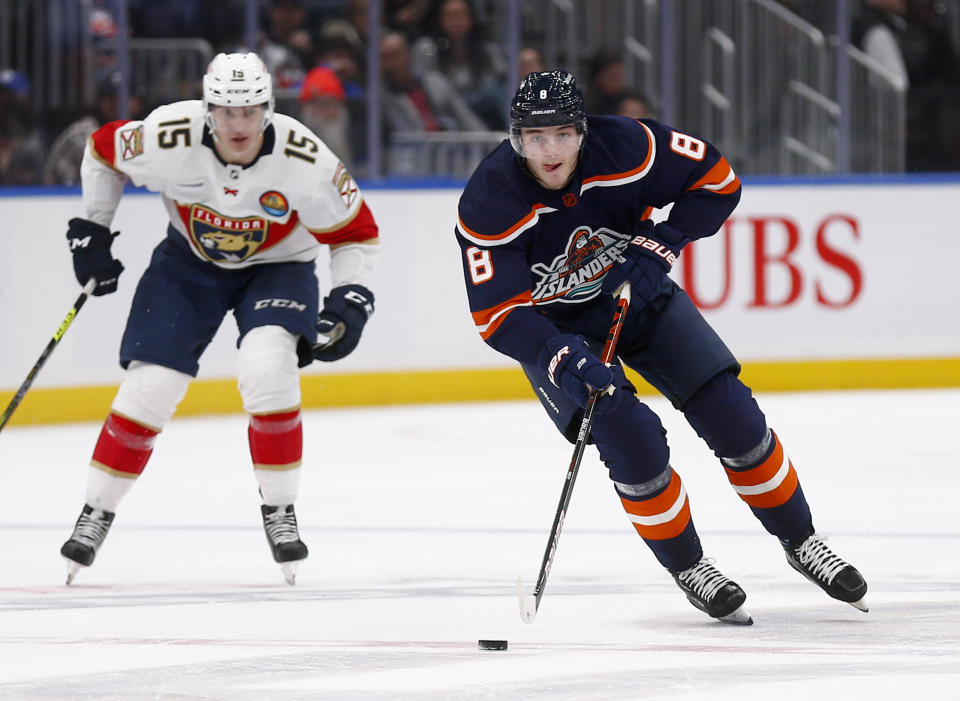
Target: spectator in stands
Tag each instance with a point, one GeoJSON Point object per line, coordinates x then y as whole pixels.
{"type": "Point", "coordinates": [459, 49]}
{"type": "Point", "coordinates": [607, 84]}
{"type": "Point", "coordinates": [634, 104]}
{"type": "Point", "coordinates": [162, 19]}
{"type": "Point", "coordinates": [323, 108]}
{"type": "Point", "coordinates": [352, 23]}
{"type": "Point", "coordinates": [910, 37]}
{"type": "Point", "coordinates": [876, 30]}
{"type": "Point", "coordinates": [21, 146]}
{"type": "Point", "coordinates": [66, 151]}
{"type": "Point", "coordinates": [344, 57]}
{"type": "Point", "coordinates": [287, 46]}
{"type": "Point", "coordinates": [419, 101]}
{"type": "Point", "coordinates": [409, 17]}
{"type": "Point", "coordinates": [530, 60]}
{"type": "Point", "coordinates": [414, 102]}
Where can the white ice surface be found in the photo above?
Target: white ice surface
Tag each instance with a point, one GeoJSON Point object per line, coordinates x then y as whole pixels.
{"type": "Point", "coordinates": [420, 519]}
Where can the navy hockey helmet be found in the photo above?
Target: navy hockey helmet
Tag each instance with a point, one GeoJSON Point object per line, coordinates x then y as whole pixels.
{"type": "Point", "coordinates": [546, 99]}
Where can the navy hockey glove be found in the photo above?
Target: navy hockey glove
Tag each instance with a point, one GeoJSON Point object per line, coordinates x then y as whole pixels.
{"type": "Point", "coordinates": [645, 262]}
{"type": "Point", "coordinates": [341, 321]}
{"type": "Point", "coordinates": [90, 245]}
{"type": "Point", "coordinates": [571, 366]}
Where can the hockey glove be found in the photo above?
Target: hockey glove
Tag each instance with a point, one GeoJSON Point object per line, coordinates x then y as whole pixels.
{"type": "Point", "coordinates": [345, 312]}
{"type": "Point", "coordinates": [571, 366]}
{"type": "Point", "coordinates": [645, 262]}
{"type": "Point", "coordinates": [90, 245]}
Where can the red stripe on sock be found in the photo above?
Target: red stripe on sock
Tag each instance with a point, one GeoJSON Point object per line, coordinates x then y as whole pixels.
{"type": "Point", "coordinates": [276, 439]}
{"type": "Point", "coordinates": [124, 445]}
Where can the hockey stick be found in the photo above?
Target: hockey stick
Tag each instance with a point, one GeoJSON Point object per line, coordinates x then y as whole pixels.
{"type": "Point", "coordinates": [32, 375]}
{"type": "Point", "coordinates": [530, 603]}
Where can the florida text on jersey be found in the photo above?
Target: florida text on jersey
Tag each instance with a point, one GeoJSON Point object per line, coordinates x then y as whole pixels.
{"type": "Point", "coordinates": [527, 247]}
{"type": "Point", "coordinates": [294, 196]}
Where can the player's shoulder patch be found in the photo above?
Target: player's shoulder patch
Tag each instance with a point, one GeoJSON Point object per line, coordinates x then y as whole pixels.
{"type": "Point", "coordinates": [346, 186]}
{"type": "Point", "coordinates": [131, 141]}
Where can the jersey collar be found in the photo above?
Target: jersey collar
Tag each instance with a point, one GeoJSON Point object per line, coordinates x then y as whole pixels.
{"type": "Point", "coordinates": [266, 148]}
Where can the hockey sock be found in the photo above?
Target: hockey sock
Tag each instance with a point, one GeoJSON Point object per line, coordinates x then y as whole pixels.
{"type": "Point", "coordinates": [119, 458]}
{"type": "Point", "coordinates": [769, 485]}
{"type": "Point", "coordinates": [660, 511]}
{"type": "Point", "coordinates": [276, 448]}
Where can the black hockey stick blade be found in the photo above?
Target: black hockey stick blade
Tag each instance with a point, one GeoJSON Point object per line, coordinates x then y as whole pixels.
{"type": "Point", "coordinates": [530, 603]}
{"type": "Point", "coordinates": [32, 375]}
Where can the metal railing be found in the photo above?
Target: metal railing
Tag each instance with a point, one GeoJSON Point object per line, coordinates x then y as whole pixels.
{"type": "Point", "coordinates": [761, 83]}
{"type": "Point", "coordinates": [167, 70]}
{"type": "Point", "coordinates": [445, 153]}
{"type": "Point", "coordinates": [878, 116]}
{"type": "Point", "coordinates": [50, 42]}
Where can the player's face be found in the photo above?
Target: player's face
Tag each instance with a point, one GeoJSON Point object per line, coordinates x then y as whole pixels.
{"type": "Point", "coordinates": [551, 153]}
{"type": "Point", "coordinates": [238, 132]}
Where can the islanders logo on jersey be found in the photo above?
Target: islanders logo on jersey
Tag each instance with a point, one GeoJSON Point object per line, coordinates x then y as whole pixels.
{"type": "Point", "coordinates": [576, 274]}
{"type": "Point", "coordinates": [225, 239]}
{"type": "Point", "coordinates": [274, 203]}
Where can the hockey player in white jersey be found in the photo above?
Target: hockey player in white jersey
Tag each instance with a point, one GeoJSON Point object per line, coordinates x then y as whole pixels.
{"type": "Point", "coordinates": [251, 196]}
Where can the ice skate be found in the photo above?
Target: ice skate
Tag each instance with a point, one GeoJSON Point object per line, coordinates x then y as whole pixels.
{"type": "Point", "coordinates": [280, 525]}
{"type": "Point", "coordinates": [815, 561]}
{"type": "Point", "coordinates": [711, 592]}
{"type": "Point", "coordinates": [88, 534]}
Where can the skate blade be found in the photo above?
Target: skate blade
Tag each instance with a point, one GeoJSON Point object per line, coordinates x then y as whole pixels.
{"type": "Point", "coordinates": [72, 569]}
{"type": "Point", "coordinates": [740, 617]}
{"type": "Point", "coordinates": [861, 605]}
{"type": "Point", "coordinates": [290, 571]}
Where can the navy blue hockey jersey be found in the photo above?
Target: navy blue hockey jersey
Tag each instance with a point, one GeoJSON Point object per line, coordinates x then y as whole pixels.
{"type": "Point", "coordinates": [534, 258]}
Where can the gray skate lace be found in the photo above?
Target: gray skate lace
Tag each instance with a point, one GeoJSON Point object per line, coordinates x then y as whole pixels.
{"type": "Point", "coordinates": [281, 526]}
{"type": "Point", "coordinates": [819, 559]}
{"type": "Point", "coordinates": [704, 579]}
{"type": "Point", "coordinates": [90, 530]}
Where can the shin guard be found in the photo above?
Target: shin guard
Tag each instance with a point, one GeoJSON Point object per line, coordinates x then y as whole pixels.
{"type": "Point", "coordinates": [660, 511]}
{"type": "Point", "coordinates": [276, 448]}
{"type": "Point", "coordinates": [119, 457]}
{"type": "Point", "coordinates": [766, 480]}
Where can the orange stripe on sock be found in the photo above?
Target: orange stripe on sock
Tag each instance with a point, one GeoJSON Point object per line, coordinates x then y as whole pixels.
{"type": "Point", "coordinates": [664, 516]}
{"type": "Point", "coordinates": [769, 484]}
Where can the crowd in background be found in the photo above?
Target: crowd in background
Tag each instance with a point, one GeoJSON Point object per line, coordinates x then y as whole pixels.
{"type": "Point", "coordinates": [440, 70]}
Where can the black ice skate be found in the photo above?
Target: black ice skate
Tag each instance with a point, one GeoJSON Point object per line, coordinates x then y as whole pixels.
{"type": "Point", "coordinates": [280, 525]}
{"type": "Point", "coordinates": [815, 561]}
{"type": "Point", "coordinates": [88, 533]}
{"type": "Point", "coordinates": [714, 594]}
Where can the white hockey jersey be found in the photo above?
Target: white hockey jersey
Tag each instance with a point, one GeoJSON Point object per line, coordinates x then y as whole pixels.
{"type": "Point", "coordinates": [295, 196]}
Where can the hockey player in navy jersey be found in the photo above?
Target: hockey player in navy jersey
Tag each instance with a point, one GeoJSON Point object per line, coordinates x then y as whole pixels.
{"type": "Point", "coordinates": [550, 225]}
{"type": "Point", "coordinates": [251, 197]}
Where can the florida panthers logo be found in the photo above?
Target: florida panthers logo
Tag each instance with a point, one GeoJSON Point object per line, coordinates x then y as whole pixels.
{"type": "Point", "coordinates": [576, 274]}
{"type": "Point", "coordinates": [224, 239]}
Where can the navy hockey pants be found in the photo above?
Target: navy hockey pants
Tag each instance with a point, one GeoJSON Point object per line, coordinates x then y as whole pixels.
{"type": "Point", "coordinates": [181, 301]}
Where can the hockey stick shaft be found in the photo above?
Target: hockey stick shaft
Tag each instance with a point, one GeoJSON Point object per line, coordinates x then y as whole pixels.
{"type": "Point", "coordinates": [34, 371]}
{"type": "Point", "coordinates": [530, 604]}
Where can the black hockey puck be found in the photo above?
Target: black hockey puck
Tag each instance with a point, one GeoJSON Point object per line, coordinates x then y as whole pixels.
{"type": "Point", "coordinates": [492, 644]}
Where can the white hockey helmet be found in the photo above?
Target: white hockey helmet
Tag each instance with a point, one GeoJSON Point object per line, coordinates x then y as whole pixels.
{"type": "Point", "coordinates": [237, 80]}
